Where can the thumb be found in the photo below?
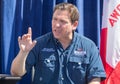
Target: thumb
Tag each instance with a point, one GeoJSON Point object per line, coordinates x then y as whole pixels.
{"type": "Point", "coordinates": [34, 43]}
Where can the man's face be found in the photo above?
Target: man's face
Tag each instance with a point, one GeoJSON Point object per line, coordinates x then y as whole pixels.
{"type": "Point", "coordinates": [62, 27]}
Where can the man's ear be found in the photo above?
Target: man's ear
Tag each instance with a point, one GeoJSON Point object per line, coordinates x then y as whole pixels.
{"type": "Point", "coordinates": [75, 24]}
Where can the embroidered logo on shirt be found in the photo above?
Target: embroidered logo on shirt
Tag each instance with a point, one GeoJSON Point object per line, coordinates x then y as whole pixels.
{"type": "Point", "coordinates": [51, 58]}
{"type": "Point", "coordinates": [80, 52]}
{"type": "Point", "coordinates": [48, 49]}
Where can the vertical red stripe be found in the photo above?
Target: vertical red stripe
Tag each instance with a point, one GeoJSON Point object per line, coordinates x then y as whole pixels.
{"type": "Point", "coordinates": [103, 44]}
{"type": "Point", "coordinates": [103, 51]}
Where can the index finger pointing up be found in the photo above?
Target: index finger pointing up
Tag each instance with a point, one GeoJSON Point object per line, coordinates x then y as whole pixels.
{"type": "Point", "coordinates": [30, 31]}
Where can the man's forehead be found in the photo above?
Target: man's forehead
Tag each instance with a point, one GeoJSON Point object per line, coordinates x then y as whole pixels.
{"type": "Point", "coordinates": [61, 13]}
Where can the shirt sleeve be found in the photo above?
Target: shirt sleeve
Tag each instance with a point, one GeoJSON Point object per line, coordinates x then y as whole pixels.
{"type": "Point", "coordinates": [95, 68]}
{"type": "Point", "coordinates": [32, 57]}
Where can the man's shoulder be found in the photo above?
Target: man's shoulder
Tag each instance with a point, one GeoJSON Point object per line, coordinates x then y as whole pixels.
{"type": "Point", "coordinates": [44, 37]}
{"type": "Point", "coordinates": [84, 40]}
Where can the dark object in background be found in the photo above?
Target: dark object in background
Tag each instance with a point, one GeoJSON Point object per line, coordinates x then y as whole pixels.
{"type": "Point", "coordinates": [8, 79]}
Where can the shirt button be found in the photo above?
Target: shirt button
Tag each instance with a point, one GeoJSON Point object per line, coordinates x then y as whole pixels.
{"type": "Point", "coordinates": [40, 78]}
{"type": "Point", "coordinates": [73, 67]}
{"type": "Point", "coordinates": [62, 78]}
{"type": "Point", "coordinates": [79, 63]}
{"type": "Point", "coordinates": [62, 65]}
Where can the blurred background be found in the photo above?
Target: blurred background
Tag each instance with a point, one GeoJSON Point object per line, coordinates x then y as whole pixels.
{"type": "Point", "coordinates": [17, 15]}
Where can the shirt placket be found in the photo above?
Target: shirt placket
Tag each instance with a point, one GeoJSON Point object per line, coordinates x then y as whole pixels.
{"type": "Point", "coordinates": [61, 59]}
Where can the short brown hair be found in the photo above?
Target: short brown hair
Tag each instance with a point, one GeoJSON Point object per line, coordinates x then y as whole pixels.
{"type": "Point", "coordinates": [74, 13]}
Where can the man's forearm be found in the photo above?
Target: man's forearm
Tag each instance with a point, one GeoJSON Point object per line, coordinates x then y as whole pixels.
{"type": "Point", "coordinates": [95, 81]}
{"type": "Point", "coordinates": [18, 64]}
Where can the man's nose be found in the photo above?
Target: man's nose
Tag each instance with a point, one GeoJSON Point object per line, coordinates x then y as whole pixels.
{"type": "Point", "coordinates": [57, 24]}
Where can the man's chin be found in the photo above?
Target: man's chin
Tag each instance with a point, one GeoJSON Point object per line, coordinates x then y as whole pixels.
{"type": "Point", "coordinates": [56, 36]}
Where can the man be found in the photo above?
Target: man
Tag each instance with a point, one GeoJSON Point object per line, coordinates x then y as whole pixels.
{"type": "Point", "coordinates": [61, 56]}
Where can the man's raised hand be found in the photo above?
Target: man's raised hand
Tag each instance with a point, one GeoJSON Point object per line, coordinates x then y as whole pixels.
{"type": "Point", "coordinates": [25, 42]}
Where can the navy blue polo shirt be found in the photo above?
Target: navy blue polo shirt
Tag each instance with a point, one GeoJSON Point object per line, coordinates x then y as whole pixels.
{"type": "Point", "coordinates": [79, 63]}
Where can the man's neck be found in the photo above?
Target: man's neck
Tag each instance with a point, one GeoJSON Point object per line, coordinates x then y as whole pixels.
{"type": "Point", "coordinates": [66, 42]}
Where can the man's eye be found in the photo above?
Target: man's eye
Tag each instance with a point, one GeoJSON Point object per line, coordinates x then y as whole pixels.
{"type": "Point", "coordinates": [54, 19]}
{"type": "Point", "coordinates": [62, 21]}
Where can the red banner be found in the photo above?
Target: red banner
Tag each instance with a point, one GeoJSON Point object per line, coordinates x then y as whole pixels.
{"type": "Point", "coordinates": [110, 41]}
